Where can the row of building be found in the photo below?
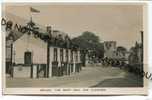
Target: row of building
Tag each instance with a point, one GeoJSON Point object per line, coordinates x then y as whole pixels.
{"type": "Point", "coordinates": [41, 54]}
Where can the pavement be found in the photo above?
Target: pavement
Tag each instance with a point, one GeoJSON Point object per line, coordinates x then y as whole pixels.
{"type": "Point", "coordinates": [90, 76]}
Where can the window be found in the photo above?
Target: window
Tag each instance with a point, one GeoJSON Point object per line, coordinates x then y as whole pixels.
{"type": "Point", "coordinates": [71, 56]}
{"type": "Point", "coordinates": [55, 54]}
{"type": "Point", "coordinates": [116, 53]}
{"type": "Point", "coordinates": [76, 56]}
{"type": "Point", "coordinates": [123, 54]}
{"type": "Point", "coordinates": [67, 56]}
{"type": "Point", "coordinates": [61, 55]}
{"type": "Point", "coordinates": [27, 58]}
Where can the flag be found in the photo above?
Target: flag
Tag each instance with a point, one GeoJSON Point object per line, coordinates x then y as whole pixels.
{"type": "Point", "coordinates": [34, 10]}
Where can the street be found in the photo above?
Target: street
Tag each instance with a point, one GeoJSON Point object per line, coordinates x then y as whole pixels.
{"type": "Point", "coordinates": [90, 76]}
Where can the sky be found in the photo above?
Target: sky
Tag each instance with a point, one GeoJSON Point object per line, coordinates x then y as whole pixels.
{"type": "Point", "coordinates": [111, 22]}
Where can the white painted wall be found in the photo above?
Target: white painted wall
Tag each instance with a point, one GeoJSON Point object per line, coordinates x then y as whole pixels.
{"type": "Point", "coordinates": [51, 59]}
{"type": "Point", "coordinates": [79, 61]}
{"type": "Point", "coordinates": [58, 54]}
{"type": "Point", "coordinates": [20, 72]}
{"type": "Point", "coordinates": [69, 55]}
{"type": "Point", "coordinates": [64, 55]}
{"type": "Point", "coordinates": [29, 43]}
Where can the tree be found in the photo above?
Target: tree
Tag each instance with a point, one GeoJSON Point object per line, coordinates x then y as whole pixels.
{"type": "Point", "coordinates": [89, 41]}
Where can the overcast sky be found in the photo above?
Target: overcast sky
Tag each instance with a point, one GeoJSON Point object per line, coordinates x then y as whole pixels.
{"type": "Point", "coordinates": [121, 23]}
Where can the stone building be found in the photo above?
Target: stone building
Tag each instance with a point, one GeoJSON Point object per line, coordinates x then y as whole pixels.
{"type": "Point", "coordinates": [109, 49]}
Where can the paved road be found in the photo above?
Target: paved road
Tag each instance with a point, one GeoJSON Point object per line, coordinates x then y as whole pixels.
{"type": "Point", "coordinates": [96, 76]}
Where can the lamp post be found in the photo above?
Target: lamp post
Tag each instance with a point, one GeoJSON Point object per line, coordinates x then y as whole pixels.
{"type": "Point", "coordinates": [142, 45]}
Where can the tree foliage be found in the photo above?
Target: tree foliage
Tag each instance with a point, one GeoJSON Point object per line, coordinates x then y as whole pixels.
{"type": "Point", "coordinates": [89, 41]}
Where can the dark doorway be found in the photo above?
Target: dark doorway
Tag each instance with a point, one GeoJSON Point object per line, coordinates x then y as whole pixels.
{"type": "Point", "coordinates": [28, 58]}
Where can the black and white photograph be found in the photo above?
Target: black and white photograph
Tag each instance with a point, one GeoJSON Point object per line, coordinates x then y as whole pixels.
{"type": "Point", "coordinates": [65, 48]}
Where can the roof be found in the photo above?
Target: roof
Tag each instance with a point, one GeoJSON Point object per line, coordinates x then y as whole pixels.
{"type": "Point", "coordinates": [57, 38]}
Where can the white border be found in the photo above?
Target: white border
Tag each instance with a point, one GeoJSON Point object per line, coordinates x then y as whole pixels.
{"type": "Point", "coordinates": [88, 98]}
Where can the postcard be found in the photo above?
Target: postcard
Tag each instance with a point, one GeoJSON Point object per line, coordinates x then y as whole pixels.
{"type": "Point", "coordinates": [74, 48]}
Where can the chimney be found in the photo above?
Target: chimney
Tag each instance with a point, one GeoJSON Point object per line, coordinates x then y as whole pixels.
{"type": "Point", "coordinates": [49, 30]}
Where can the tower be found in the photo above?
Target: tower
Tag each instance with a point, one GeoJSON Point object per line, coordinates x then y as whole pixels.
{"type": "Point", "coordinates": [109, 48]}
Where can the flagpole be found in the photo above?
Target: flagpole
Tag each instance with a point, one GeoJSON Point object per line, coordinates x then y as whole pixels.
{"type": "Point", "coordinates": [30, 20]}
{"type": "Point", "coordinates": [33, 10]}
{"type": "Point", "coordinates": [30, 15]}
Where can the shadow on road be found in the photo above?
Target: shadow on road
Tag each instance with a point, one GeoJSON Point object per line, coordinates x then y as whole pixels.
{"type": "Point", "coordinates": [129, 80]}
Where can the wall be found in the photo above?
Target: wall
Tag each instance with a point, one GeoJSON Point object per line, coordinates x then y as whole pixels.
{"type": "Point", "coordinates": [29, 43]}
{"type": "Point", "coordinates": [20, 72]}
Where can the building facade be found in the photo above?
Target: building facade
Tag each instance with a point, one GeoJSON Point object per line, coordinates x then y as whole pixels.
{"type": "Point", "coordinates": [37, 55]}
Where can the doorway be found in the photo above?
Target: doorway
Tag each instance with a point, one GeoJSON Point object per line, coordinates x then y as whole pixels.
{"type": "Point", "coordinates": [27, 58]}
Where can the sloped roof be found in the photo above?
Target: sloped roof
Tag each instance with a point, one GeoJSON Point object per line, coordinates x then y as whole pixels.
{"type": "Point", "coordinates": [41, 33]}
